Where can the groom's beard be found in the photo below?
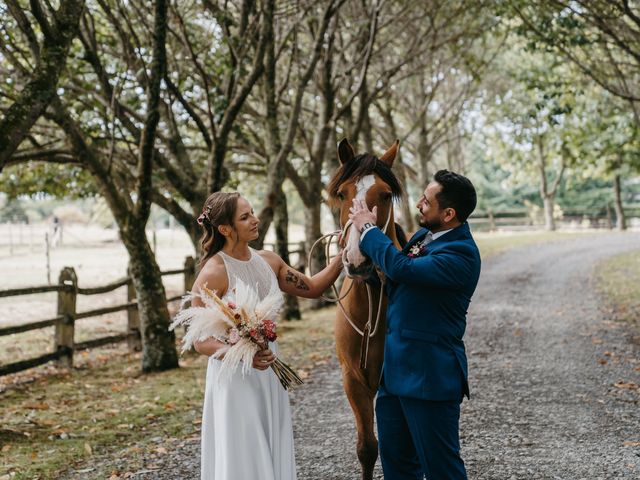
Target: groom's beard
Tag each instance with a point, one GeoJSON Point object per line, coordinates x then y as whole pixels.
{"type": "Point", "coordinates": [432, 225]}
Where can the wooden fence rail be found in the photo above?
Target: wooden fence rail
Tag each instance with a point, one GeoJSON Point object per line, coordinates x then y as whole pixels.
{"type": "Point", "coordinates": [68, 290]}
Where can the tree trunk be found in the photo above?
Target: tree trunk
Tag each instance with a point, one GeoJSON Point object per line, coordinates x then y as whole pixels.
{"type": "Point", "coordinates": [424, 154]}
{"type": "Point", "coordinates": [281, 223]}
{"type": "Point", "coordinates": [313, 231]}
{"type": "Point", "coordinates": [399, 169]}
{"type": "Point", "coordinates": [405, 207]}
{"type": "Point", "coordinates": [158, 343]}
{"type": "Point", "coordinates": [549, 221]}
{"type": "Point", "coordinates": [609, 217]}
{"type": "Point", "coordinates": [621, 221]}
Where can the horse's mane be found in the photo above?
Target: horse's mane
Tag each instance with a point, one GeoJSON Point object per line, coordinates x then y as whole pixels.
{"type": "Point", "coordinates": [361, 165]}
{"type": "Point", "coordinates": [401, 236]}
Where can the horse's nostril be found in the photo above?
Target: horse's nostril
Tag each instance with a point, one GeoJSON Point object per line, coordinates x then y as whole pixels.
{"type": "Point", "coordinates": [362, 270]}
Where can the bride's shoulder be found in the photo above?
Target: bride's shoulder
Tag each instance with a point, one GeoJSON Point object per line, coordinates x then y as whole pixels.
{"type": "Point", "coordinates": [213, 274]}
{"type": "Point", "coordinates": [272, 258]}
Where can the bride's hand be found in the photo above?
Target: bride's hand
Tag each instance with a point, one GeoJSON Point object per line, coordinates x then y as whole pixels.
{"type": "Point", "coordinates": [263, 359]}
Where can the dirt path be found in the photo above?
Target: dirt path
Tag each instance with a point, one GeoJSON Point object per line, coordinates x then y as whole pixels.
{"type": "Point", "coordinates": [552, 380]}
{"type": "Point", "coordinates": [544, 405]}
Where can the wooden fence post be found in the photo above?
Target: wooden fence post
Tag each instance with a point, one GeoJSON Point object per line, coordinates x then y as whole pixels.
{"type": "Point", "coordinates": [189, 273]}
{"type": "Point", "coordinates": [67, 310]}
{"type": "Point", "coordinates": [134, 340]}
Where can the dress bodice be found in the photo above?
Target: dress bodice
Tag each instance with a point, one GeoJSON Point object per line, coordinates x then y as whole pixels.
{"type": "Point", "coordinates": [255, 272]}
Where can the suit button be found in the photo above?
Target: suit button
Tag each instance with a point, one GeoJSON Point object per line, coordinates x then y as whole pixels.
{"type": "Point", "coordinates": [388, 330]}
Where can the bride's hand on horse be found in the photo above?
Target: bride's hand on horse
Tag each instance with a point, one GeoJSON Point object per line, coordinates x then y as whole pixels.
{"type": "Point", "coordinates": [336, 261]}
{"type": "Point", "coordinates": [263, 359]}
{"type": "Point", "coordinates": [360, 214]}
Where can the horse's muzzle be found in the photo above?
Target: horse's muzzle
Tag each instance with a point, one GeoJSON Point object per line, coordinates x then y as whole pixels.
{"type": "Point", "coordinates": [362, 271]}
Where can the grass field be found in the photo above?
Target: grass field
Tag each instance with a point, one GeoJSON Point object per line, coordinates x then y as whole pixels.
{"type": "Point", "coordinates": [618, 278]}
{"type": "Point", "coordinates": [52, 419]}
{"type": "Point", "coordinates": [494, 243]}
{"type": "Point", "coordinates": [104, 407]}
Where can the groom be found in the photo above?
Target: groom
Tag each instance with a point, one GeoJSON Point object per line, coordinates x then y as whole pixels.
{"type": "Point", "coordinates": [429, 287]}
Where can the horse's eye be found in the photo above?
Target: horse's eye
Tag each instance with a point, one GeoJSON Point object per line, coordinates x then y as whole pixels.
{"type": "Point", "coordinates": [341, 196]}
{"type": "Point", "coordinates": [385, 196]}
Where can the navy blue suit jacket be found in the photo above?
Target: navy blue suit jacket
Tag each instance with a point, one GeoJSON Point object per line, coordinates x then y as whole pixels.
{"type": "Point", "coordinates": [424, 355]}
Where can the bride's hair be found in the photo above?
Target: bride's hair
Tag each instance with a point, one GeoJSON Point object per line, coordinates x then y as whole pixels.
{"type": "Point", "coordinates": [219, 209]}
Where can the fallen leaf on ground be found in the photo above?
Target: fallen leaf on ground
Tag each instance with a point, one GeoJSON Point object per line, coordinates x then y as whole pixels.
{"type": "Point", "coordinates": [88, 449]}
{"type": "Point", "coordinates": [626, 385]}
{"type": "Point", "coordinates": [37, 406]}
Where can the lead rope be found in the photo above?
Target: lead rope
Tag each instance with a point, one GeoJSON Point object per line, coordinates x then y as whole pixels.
{"type": "Point", "coordinates": [367, 332]}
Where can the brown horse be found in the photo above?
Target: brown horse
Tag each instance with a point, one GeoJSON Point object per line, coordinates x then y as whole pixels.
{"type": "Point", "coordinates": [359, 337]}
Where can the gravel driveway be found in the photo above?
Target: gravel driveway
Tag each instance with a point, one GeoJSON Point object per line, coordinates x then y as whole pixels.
{"type": "Point", "coordinates": [554, 383]}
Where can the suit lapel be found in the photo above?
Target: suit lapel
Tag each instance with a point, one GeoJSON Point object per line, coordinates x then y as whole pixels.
{"type": "Point", "coordinates": [455, 234]}
{"type": "Point", "coordinates": [419, 235]}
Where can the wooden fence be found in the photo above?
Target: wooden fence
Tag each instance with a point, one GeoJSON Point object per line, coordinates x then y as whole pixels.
{"type": "Point", "coordinates": [64, 322]}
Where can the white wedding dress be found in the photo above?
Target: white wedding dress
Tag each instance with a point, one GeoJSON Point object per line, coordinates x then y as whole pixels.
{"type": "Point", "coordinates": [247, 432]}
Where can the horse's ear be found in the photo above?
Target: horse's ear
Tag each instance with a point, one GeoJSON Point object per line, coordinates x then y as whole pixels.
{"type": "Point", "coordinates": [345, 151]}
{"type": "Point", "coordinates": [390, 155]}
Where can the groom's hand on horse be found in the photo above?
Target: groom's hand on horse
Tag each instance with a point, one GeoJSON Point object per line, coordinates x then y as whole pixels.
{"type": "Point", "coordinates": [360, 214]}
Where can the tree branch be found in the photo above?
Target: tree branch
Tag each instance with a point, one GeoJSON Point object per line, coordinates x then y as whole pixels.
{"type": "Point", "coordinates": [145, 160]}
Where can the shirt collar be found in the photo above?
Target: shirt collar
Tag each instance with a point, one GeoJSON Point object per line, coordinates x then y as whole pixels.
{"type": "Point", "coordinates": [439, 234]}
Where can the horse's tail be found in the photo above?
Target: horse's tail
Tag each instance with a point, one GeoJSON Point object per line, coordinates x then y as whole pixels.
{"type": "Point", "coordinates": [400, 235]}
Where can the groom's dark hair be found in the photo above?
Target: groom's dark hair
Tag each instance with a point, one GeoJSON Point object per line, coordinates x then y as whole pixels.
{"type": "Point", "coordinates": [457, 193]}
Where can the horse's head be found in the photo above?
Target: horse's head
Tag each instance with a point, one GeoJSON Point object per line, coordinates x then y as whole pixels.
{"type": "Point", "coordinates": [368, 178]}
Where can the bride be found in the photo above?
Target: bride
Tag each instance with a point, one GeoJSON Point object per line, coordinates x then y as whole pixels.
{"type": "Point", "coordinates": [246, 423]}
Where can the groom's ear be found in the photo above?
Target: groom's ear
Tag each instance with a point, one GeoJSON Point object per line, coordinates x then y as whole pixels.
{"type": "Point", "coordinates": [345, 151]}
{"type": "Point", "coordinates": [450, 214]}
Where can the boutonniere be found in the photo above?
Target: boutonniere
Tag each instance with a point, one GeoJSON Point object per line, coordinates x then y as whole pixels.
{"type": "Point", "coordinates": [417, 250]}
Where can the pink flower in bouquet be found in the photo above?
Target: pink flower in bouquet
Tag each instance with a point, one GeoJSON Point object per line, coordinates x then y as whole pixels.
{"type": "Point", "coordinates": [269, 327]}
{"type": "Point", "coordinates": [241, 326]}
{"type": "Point", "coordinates": [234, 336]}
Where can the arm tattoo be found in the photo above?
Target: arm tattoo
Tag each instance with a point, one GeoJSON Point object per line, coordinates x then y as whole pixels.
{"type": "Point", "coordinates": [297, 281]}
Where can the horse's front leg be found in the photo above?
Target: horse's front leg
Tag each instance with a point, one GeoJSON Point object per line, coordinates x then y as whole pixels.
{"type": "Point", "coordinates": [361, 399]}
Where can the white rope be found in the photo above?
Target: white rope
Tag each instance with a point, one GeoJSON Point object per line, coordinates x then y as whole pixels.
{"type": "Point", "coordinates": [372, 328]}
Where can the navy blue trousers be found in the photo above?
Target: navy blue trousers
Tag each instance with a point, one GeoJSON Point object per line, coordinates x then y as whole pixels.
{"type": "Point", "coordinates": [419, 438]}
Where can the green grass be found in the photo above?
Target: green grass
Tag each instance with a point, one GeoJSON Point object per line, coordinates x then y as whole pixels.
{"type": "Point", "coordinates": [618, 278]}
{"type": "Point", "coordinates": [491, 244]}
{"type": "Point", "coordinates": [51, 419]}
{"type": "Point", "coordinates": [107, 408]}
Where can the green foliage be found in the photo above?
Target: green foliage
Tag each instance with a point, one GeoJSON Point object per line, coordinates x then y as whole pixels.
{"type": "Point", "coordinates": [496, 192]}
{"type": "Point", "coordinates": [534, 118]}
{"type": "Point", "coordinates": [36, 179]}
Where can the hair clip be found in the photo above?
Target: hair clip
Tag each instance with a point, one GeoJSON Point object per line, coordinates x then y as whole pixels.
{"type": "Point", "coordinates": [206, 211]}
